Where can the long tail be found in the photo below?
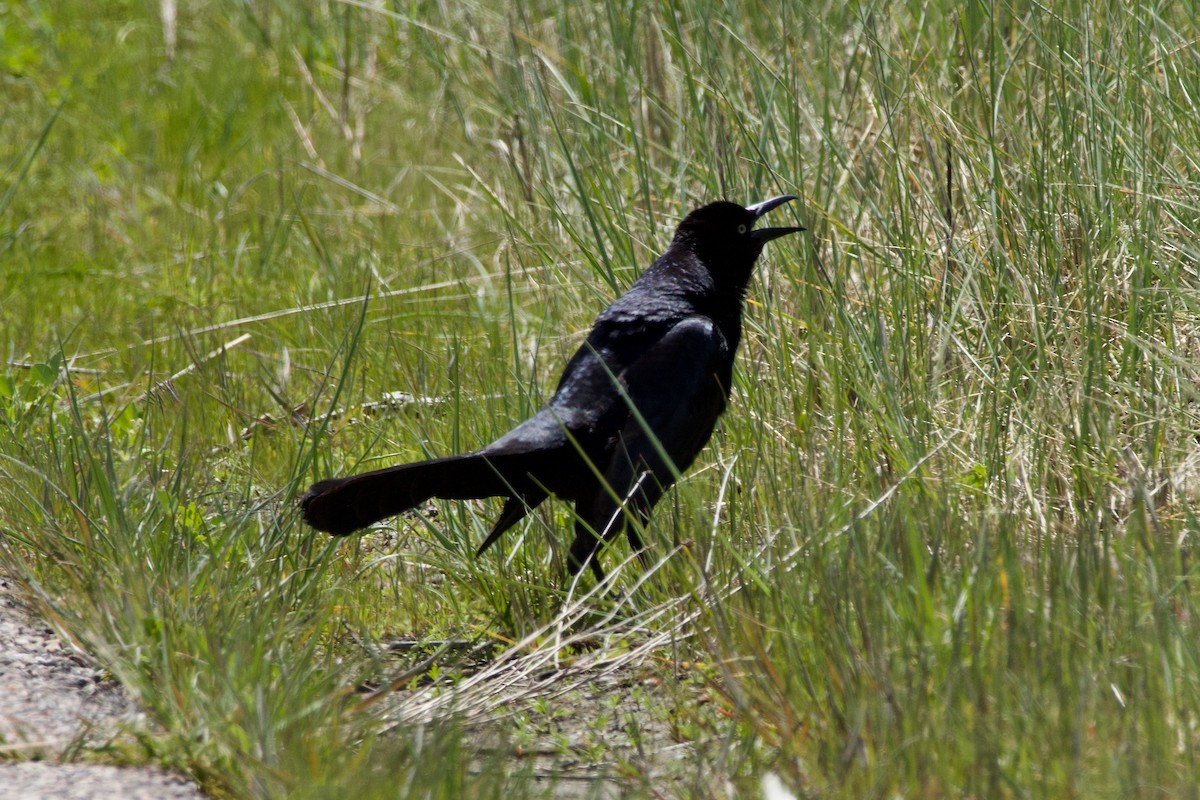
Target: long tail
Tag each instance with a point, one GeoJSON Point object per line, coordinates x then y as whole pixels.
{"type": "Point", "coordinates": [341, 506]}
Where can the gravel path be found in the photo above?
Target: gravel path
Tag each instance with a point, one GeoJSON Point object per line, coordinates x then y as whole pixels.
{"type": "Point", "coordinates": [53, 704]}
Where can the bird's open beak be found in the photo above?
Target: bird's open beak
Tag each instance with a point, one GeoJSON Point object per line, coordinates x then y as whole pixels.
{"type": "Point", "coordinates": [758, 209]}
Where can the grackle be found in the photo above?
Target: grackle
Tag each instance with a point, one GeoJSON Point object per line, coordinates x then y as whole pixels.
{"type": "Point", "coordinates": [633, 408]}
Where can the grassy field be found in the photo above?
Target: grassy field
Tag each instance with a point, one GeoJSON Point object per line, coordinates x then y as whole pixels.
{"type": "Point", "coordinates": [940, 546]}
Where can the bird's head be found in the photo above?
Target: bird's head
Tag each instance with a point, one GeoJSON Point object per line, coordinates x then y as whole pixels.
{"type": "Point", "coordinates": [723, 236]}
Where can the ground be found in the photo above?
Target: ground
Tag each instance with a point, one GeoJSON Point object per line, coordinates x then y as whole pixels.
{"type": "Point", "coordinates": [57, 708]}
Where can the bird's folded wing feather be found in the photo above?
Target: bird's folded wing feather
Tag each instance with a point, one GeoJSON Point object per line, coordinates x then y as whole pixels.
{"type": "Point", "coordinates": [677, 396]}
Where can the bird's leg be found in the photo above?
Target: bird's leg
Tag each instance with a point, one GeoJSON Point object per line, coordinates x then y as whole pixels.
{"type": "Point", "coordinates": [639, 500]}
{"type": "Point", "coordinates": [586, 544]}
{"type": "Point", "coordinates": [597, 570]}
{"type": "Point", "coordinates": [636, 544]}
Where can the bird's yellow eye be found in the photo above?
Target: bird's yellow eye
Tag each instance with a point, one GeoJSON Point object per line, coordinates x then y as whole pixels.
{"type": "Point", "coordinates": [741, 230]}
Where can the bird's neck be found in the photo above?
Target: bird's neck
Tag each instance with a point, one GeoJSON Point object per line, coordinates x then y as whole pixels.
{"type": "Point", "coordinates": [719, 300]}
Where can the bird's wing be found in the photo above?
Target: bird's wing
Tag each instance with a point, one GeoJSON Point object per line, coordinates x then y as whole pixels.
{"type": "Point", "coordinates": [674, 398]}
{"type": "Point", "coordinates": [675, 395]}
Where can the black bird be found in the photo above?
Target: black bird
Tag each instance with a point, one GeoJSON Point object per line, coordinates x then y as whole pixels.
{"type": "Point", "coordinates": [633, 408]}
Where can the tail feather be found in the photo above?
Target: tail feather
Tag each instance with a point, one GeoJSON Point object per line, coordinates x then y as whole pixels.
{"type": "Point", "coordinates": [515, 509]}
{"type": "Point", "coordinates": [341, 506]}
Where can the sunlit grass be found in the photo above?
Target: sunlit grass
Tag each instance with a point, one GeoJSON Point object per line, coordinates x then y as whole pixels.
{"type": "Point", "coordinates": [940, 545]}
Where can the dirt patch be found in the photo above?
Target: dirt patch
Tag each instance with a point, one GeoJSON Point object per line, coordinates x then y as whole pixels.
{"type": "Point", "coordinates": [594, 724]}
{"type": "Point", "coordinates": [55, 705]}
{"type": "Point", "coordinates": [35, 780]}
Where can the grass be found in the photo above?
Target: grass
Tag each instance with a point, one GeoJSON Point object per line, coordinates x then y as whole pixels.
{"type": "Point", "coordinates": [940, 546]}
